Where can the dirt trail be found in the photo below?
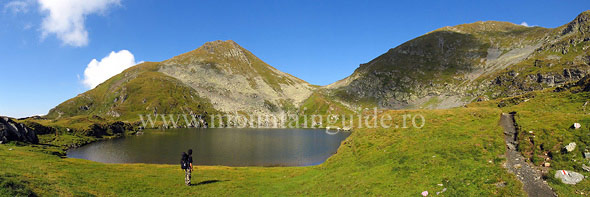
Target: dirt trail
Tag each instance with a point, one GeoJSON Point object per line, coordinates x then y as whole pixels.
{"type": "Point", "coordinates": [531, 179]}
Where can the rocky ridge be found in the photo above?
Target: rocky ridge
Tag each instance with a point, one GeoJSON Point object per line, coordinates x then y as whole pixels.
{"type": "Point", "coordinates": [456, 65]}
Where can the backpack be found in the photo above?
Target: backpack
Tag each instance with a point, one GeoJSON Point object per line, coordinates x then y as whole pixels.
{"type": "Point", "coordinates": [184, 161]}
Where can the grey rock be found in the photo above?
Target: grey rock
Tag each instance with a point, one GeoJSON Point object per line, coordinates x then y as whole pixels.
{"type": "Point", "coordinates": [569, 177]}
{"type": "Point", "coordinates": [570, 147]}
{"type": "Point", "coordinates": [84, 108]}
{"type": "Point", "coordinates": [511, 146]}
{"type": "Point", "coordinates": [576, 125]}
{"type": "Point", "coordinates": [13, 131]}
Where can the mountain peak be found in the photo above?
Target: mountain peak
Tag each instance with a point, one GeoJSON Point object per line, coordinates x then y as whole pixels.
{"type": "Point", "coordinates": [216, 51]}
{"type": "Point", "coordinates": [580, 24]}
{"type": "Point", "coordinates": [585, 13]}
{"type": "Point", "coordinates": [481, 27]}
{"type": "Point", "coordinates": [221, 43]}
{"type": "Point", "coordinates": [215, 46]}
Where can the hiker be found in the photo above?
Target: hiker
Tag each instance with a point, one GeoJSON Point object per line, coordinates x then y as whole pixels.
{"type": "Point", "coordinates": [186, 163]}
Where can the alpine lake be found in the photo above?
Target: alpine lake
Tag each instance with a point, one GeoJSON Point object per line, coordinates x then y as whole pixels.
{"type": "Point", "coordinates": [218, 146]}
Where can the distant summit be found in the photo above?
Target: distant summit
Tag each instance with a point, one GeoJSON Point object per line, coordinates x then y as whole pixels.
{"type": "Point", "coordinates": [220, 76]}
{"type": "Point", "coordinates": [581, 24]}
{"type": "Point", "coordinates": [452, 66]}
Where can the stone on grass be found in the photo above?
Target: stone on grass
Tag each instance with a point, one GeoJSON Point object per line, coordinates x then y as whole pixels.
{"type": "Point", "coordinates": [442, 191]}
{"type": "Point", "coordinates": [576, 125]}
{"type": "Point", "coordinates": [586, 168]}
{"type": "Point", "coordinates": [570, 147]}
{"type": "Point", "coordinates": [425, 193]}
{"type": "Point", "coordinates": [569, 177]}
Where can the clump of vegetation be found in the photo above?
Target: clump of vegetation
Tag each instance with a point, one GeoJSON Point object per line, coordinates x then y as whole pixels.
{"type": "Point", "coordinates": [12, 185]}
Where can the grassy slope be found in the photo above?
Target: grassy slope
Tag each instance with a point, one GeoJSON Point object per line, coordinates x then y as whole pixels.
{"type": "Point", "coordinates": [443, 56]}
{"type": "Point", "coordinates": [137, 90]}
{"type": "Point", "coordinates": [549, 115]}
{"type": "Point", "coordinates": [141, 89]}
{"type": "Point", "coordinates": [216, 54]}
{"type": "Point", "coordinates": [439, 58]}
{"type": "Point", "coordinates": [460, 148]}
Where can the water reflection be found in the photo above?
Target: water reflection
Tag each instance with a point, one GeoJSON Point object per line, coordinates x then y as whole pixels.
{"type": "Point", "coordinates": [229, 147]}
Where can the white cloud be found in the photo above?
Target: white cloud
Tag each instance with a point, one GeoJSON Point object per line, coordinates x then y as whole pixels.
{"type": "Point", "coordinates": [65, 18]}
{"type": "Point", "coordinates": [99, 71]}
{"type": "Point", "coordinates": [525, 24]}
{"type": "Point", "coordinates": [18, 6]}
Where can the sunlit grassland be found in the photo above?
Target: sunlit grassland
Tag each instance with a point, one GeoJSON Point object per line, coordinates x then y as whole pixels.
{"type": "Point", "coordinates": [460, 148]}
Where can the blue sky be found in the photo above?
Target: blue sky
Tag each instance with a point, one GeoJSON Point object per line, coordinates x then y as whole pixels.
{"type": "Point", "coordinates": [43, 60]}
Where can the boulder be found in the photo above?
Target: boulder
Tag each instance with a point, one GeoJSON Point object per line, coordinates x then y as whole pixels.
{"type": "Point", "coordinates": [569, 177]}
{"type": "Point", "coordinates": [13, 131]}
{"type": "Point", "coordinates": [424, 193]}
{"type": "Point", "coordinates": [577, 125]}
{"type": "Point", "coordinates": [570, 147]}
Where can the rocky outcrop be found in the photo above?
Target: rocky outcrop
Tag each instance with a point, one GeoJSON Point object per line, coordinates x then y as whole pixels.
{"type": "Point", "coordinates": [514, 84]}
{"type": "Point", "coordinates": [581, 24]}
{"type": "Point", "coordinates": [13, 131]}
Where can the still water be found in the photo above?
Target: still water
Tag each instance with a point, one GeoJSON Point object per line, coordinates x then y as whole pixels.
{"type": "Point", "coordinates": [220, 146]}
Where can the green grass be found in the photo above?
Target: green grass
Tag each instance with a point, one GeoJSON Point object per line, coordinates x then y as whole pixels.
{"type": "Point", "coordinates": [12, 185]}
{"type": "Point", "coordinates": [431, 103]}
{"type": "Point", "coordinates": [319, 103]}
{"type": "Point", "coordinates": [459, 148]}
